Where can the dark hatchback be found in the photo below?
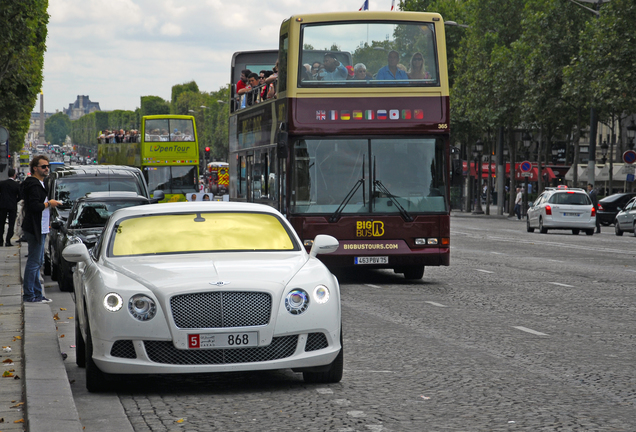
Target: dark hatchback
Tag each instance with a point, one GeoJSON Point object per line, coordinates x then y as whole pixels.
{"type": "Point", "coordinates": [85, 224]}
{"type": "Point", "coordinates": [609, 207]}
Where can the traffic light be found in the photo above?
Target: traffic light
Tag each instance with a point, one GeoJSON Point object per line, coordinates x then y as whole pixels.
{"type": "Point", "coordinates": [207, 152]}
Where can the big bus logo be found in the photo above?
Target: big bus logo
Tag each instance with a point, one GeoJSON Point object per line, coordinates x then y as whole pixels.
{"type": "Point", "coordinates": [369, 229]}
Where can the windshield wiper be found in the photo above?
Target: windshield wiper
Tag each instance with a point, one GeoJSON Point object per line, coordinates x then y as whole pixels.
{"type": "Point", "coordinates": [385, 191]}
{"type": "Point", "coordinates": [336, 215]}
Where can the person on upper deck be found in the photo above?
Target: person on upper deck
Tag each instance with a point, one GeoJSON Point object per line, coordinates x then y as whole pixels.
{"type": "Point", "coordinates": [417, 69]}
{"type": "Point", "coordinates": [391, 72]}
{"type": "Point", "coordinates": [334, 70]}
{"type": "Point", "coordinates": [254, 95]}
{"type": "Point", "coordinates": [242, 84]}
{"type": "Point", "coordinates": [360, 72]}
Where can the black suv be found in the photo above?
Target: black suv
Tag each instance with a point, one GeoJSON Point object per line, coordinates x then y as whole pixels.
{"type": "Point", "coordinates": [70, 183]}
{"type": "Point", "coordinates": [85, 224]}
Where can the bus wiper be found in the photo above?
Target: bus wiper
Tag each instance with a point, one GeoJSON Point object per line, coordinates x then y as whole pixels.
{"type": "Point", "coordinates": [336, 215]}
{"type": "Point", "coordinates": [384, 190]}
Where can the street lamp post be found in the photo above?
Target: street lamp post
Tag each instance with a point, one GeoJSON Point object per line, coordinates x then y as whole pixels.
{"type": "Point", "coordinates": [631, 134]}
{"type": "Point", "coordinates": [479, 147]}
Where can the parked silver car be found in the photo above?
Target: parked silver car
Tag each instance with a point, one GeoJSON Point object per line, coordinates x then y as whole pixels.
{"type": "Point", "coordinates": [626, 219]}
{"type": "Point", "coordinates": [565, 209]}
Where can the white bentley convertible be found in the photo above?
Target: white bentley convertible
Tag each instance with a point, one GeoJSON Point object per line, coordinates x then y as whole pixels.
{"type": "Point", "coordinates": [204, 287]}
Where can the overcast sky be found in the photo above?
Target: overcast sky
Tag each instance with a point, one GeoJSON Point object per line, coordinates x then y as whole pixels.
{"type": "Point", "coordinates": [115, 51]}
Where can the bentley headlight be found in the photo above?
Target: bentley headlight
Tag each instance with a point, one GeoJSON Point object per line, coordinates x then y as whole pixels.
{"type": "Point", "coordinates": [142, 307]}
{"type": "Point", "coordinates": [113, 302]}
{"type": "Point", "coordinates": [321, 294]}
{"type": "Point", "coordinates": [296, 301]}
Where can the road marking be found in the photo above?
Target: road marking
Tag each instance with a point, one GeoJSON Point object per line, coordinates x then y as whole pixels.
{"type": "Point", "coordinates": [436, 304]}
{"type": "Point", "coordinates": [497, 253]}
{"type": "Point", "coordinates": [324, 390]}
{"type": "Point", "coordinates": [372, 286]}
{"type": "Point", "coordinates": [556, 261]}
{"type": "Point", "coordinates": [356, 414]}
{"type": "Point", "coordinates": [527, 330]}
{"type": "Point", "coordinates": [561, 284]}
{"type": "Point", "coordinates": [483, 271]}
{"type": "Point", "coordinates": [631, 271]}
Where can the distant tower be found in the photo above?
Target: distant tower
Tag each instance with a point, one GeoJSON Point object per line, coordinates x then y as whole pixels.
{"type": "Point", "coordinates": [41, 137]}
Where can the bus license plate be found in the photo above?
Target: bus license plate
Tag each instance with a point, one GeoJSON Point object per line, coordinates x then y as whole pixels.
{"type": "Point", "coordinates": [222, 340]}
{"type": "Point", "coordinates": [372, 260]}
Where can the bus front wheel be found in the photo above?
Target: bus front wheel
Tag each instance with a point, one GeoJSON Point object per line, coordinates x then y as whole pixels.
{"type": "Point", "coordinates": [414, 272]}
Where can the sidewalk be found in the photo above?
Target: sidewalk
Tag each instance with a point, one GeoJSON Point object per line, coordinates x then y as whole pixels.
{"type": "Point", "coordinates": [41, 399]}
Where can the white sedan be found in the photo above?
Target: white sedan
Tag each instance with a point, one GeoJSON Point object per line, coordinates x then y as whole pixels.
{"type": "Point", "coordinates": [204, 287]}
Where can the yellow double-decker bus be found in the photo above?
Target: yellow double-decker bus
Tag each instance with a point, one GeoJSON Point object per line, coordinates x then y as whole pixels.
{"type": "Point", "coordinates": [166, 151]}
{"type": "Point", "coordinates": [356, 142]}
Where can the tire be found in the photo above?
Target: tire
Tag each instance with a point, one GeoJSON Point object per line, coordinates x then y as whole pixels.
{"type": "Point", "coordinates": [634, 230]}
{"type": "Point", "coordinates": [96, 380]}
{"type": "Point", "coordinates": [589, 232]}
{"type": "Point", "coordinates": [80, 346]}
{"type": "Point", "coordinates": [333, 375]}
{"type": "Point", "coordinates": [55, 270]}
{"type": "Point", "coordinates": [542, 229]}
{"type": "Point", "coordinates": [47, 265]}
{"type": "Point", "coordinates": [528, 228]}
{"type": "Point", "coordinates": [617, 229]}
{"type": "Point", "coordinates": [576, 231]}
{"type": "Point", "coordinates": [414, 272]}
{"type": "Point", "coordinates": [65, 279]}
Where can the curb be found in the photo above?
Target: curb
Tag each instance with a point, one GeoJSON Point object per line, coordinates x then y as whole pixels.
{"type": "Point", "coordinates": [49, 400]}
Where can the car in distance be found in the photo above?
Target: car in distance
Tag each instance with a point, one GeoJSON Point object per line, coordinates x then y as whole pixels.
{"type": "Point", "coordinates": [85, 224]}
{"type": "Point", "coordinates": [626, 219]}
{"type": "Point", "coordinates": [204, 287]}
{"type": "Point", "coordinates": [70, 183]}
{"type": "Point", "coordinates": [609, 206]}
{"type": "Point", "coordinates": [562, 209]}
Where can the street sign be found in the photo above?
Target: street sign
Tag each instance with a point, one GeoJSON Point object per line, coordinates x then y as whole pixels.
{"type": "Point", "coordinates": [525, 167]}
{"type": "Point", "coordinates": [526, 174]}
{"type": "Point", "coordinates": [629, 157]}
{"type": "Point", "coordinates": [629, 169]}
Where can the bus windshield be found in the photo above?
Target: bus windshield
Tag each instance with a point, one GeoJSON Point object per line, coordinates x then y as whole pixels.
{"type": "Point", "coordinates": [368, 53]}
{"type": "Point", "coordinates": [369, 176]}
{"type": "Point", "coordinates": [169, 129]}
{"type": "Point", "coordinates": [172, 179]}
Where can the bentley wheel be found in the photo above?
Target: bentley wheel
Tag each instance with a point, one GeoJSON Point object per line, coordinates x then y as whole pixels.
{"type": "Point", "coordinates": [80, 347]}
{"type": "Point", "coordinates": [333, 374]}
{"type": "Point", "coordinates": [96, 380]}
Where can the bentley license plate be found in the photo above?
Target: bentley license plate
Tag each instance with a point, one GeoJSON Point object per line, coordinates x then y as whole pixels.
{"type": "Point", "coordinates": [222, 340]}
{"type": "Point", "coordinates": [372, 260]}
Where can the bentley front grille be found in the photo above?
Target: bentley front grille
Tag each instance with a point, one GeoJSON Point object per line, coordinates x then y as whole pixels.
{"type": "Point", "coordinates": [165, 352]}
{"type": "Point", "coordinates": [123, 349]}
{"type": "Point", "coordinates": [221, 309]}
{"type": "Point", "coordinates": [316, 341]}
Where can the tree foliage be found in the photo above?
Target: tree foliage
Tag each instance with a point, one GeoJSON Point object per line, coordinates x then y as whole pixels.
{"type": "Point", "coordinates": [22, 46]}
{"type": "Point", "coordinates": [153, 105]}
{"type": "Point", "coordinates": [56, 128]}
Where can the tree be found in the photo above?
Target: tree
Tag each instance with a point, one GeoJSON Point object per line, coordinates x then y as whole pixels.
{"type": "Point", "coordinates": [153, 105]}
{"type": "Point", "coordinates": [182, 88]}
{"type": "Point", "coordinates": [22, 46]}
{"type": "Point", "coordinates": [56, 128]}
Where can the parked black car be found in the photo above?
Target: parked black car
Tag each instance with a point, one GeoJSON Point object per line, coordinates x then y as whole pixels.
{"type": "Point", "coordinates": [608, 207]}
{"type": "Point", "coordinates": [85, 224]}
{"type": "Point", "coordinates": [70, 183]}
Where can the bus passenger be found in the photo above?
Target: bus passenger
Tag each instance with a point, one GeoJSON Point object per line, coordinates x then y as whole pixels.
{"type": "Point", "coordinates": [334, 70]}
{"type": "Point", "coordinates": [360, 72]}
{"type": "Point", "coordinates": [391, 72]}
{"type": "Point", "coordinates": [253, 95]}
{"type": "Point", "coordinates": [242, 84]}
{"type": "Point", "coordinates": [315, 69]}
{"type": "Point", "coordinates": [417, 68]}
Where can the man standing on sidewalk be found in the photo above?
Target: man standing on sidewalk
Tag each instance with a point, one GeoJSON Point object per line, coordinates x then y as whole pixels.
{"type": "Point", "coordinates": [518, 200]}
{"type": "Point", "coordinates": [35, 227]}
{"type": "Point", "coordinates": [9, 197]}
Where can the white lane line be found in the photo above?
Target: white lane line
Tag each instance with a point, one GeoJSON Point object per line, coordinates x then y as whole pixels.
{"type": "Point", "coordinates": [436, 304]}
{"type": "Point", "coordinates": [497, 253]}
{"type": "Point", "coordinates": [324, 390]}
{"type": "Point", "coordinates": [556, 261]}
{"type": "Point", "coordinates": [527, 330]}
{"type": "Point", "coordinates": [631, 271]}
{"type": "Point", "coordinates": [372, 286]}
{"type": "Point", "coordinates": [356, 414]}
{"type": "Point", "coordinates": [561, 284]}
{"type": "Point", "coordinates": [483, 271]}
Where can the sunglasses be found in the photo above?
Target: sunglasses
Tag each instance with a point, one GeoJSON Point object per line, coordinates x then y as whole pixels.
{"type": "Point", "coordinates": [44, 166]}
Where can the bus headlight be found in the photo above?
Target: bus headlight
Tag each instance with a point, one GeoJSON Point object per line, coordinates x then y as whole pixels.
{"type": "Point", "coordinates": [297, 301]}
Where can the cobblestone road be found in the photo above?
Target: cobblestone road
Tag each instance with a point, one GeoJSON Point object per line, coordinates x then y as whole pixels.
{"type": "Point", "coordinates": [523, 332]}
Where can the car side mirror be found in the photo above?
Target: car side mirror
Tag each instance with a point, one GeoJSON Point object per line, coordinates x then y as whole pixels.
{"type": "Point", "coordinates": [324, 244]}
{"type": "Point", "coordinates": [76, 253]}
{"type": "Point", "coordinates": [157, 196]}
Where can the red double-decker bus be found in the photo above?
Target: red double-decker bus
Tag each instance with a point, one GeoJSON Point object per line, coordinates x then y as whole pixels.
{"type": "Point", "coordinates": [355, 143]}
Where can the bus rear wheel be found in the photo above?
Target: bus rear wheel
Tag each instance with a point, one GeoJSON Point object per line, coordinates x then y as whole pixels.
{"type": "Point", "coordinates": [414, 272]}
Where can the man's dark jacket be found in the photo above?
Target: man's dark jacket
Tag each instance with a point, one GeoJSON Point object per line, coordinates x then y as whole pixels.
{"type": "Point", "coordinates": [9, 194]}
{"type": "Point", "coordinates": [34, 195]}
